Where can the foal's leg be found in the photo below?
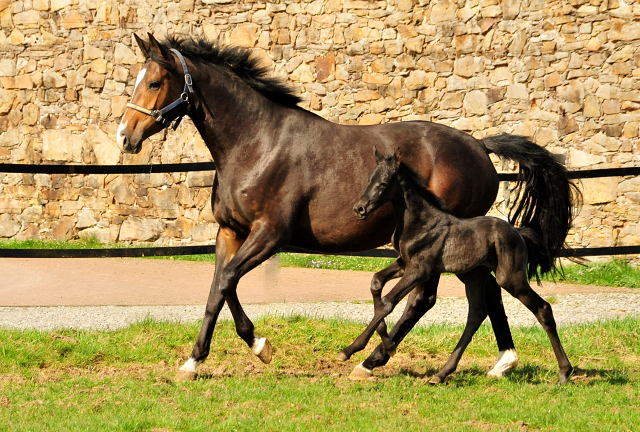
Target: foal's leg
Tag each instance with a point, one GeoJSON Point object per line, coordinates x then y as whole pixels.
{"type": "Point", "coordinates": [395, 270]}
{"type": "Point", "coordinates": [421, 299]}
{"type": "Point", "coordinates": [476, 315]}
{"type": "Point", "coordinates": [227, 244]}
{"type": "Point", "coordinates": [507, 356]}
{"type": "Point", "coordinates": [386, 305]}
{"type": "Point", "coordinates": [542, 311]}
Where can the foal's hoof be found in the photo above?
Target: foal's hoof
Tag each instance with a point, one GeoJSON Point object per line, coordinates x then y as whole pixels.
{"type": "Point", "coordinates": [360, 373]}
{"type": "Point", "coordinates": [183, 375]}
{"type": "Point", "coordinates": [391, 352]}
{"type": "Point", "coordinates": [342, 357]}
{"type": "Point", "coordinates": [507, 360]}
{"type": "Point", "coordinates": [564, 377]}
{"type": "Point", "coordinates": [263, 350]}
{"type": "Point", "coordinates": [436, 380]}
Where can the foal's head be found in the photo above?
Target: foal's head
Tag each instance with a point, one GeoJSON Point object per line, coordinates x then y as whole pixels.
{"type": "Point", "coordinates": [381, 187]}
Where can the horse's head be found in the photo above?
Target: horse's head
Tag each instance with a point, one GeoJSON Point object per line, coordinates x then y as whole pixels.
{"type": "Point", "coordinates": [158, 85]}
{"type": "Point", "coordinates": [382, 185]}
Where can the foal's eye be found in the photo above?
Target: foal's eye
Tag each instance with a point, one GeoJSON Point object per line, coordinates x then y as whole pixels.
{"type": "Point", "coordinates": [154, 85]}
{"type": "Point", "coordinates": [383, 185]}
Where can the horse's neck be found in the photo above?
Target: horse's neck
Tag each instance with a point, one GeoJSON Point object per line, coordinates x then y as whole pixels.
{"type": "Point", "coordinates": [231, 117]}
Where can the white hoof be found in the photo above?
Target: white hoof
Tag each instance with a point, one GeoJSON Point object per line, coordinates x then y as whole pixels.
{"type": "Point", "coordinates": [263, 349]}
{"type": "Point", "coordinates": [360, 373]}
{"type": "Point", "coordinates": [507, 360]}
{"type": "Point", "coordinates": [188, 371]}
{"type": "Point", "coordinates": [342, 357]}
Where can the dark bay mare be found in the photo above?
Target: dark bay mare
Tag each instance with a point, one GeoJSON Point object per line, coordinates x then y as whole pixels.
{"type": "Point", "coordinates": [430, 241]}
{"type": "Point", "coordinates": [286, 176]}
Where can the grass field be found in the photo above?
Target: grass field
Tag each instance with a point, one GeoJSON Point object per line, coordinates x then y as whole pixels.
{"type": "Point", "coordinates": [122, 380]}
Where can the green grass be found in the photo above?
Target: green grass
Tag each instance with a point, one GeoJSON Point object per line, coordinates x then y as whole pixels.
{"type": "Point", "coordinates": [122, 380]}
{"type": "Point", "coordinates": [614, 273]}
{"type": "Point", "coordinates": [333, 262]}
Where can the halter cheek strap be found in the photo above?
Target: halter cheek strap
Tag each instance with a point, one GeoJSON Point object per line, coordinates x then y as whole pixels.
{"type": "Point", "coordinates": [164, 115]}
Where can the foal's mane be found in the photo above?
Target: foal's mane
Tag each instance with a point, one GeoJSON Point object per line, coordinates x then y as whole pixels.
{"type": "Point", "coordinates": [417, 184]}
{"type": "Point", "coordinates": [238, 60]}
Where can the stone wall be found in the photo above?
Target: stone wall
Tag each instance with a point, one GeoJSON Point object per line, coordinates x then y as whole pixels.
{"type": "Point", "coordinates": [565, 73]}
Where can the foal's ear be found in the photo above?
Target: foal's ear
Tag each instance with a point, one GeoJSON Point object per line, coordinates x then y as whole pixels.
{"type": "Point", "coordinates": [144, 46]}
{"type": "Point", "coordinates": [156, 47]}
{"type": "Point", "coordinates": [379, 156]}
{"type": "Point", "coordinates": [398, 155]}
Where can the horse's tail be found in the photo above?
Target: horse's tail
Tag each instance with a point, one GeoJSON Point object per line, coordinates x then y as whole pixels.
{"type": "Point", "coordinates": [547, 198]}
{"type": "Point", "coordinates": [536, 251]}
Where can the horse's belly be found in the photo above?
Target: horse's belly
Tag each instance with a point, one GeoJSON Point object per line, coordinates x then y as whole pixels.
{"type": "Point", "coordinates": [342, 232]}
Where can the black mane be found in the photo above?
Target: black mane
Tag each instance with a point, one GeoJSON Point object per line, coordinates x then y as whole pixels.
{"type": "Point", "coordinates": [238, 60]}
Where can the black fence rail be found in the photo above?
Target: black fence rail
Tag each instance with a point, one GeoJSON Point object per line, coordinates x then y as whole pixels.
{"type": "Point", "coordinates": [210, 249]}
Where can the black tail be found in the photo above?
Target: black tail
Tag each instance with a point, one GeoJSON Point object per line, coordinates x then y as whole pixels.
{"type": "Point", "coordinates": [547, 198]}
{"type": "Point", "coordinates": [536, 251]}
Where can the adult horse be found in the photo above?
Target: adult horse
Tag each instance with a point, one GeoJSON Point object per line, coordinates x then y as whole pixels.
{"type": "Point", "coordinates": [286, 176]}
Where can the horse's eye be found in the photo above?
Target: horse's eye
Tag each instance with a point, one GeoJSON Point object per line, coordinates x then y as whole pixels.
{"type": "Point", "coordinates": [154, 85]}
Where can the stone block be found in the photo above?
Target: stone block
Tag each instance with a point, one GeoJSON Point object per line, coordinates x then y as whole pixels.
{"type": "Point", "coordinates": [475, 102]}
{"type": "Point", "coordinates": [139, 229]}
{"type": "Point", "coordinates": [124, 55]}
{"type": "Point", "coordinates": [517, 91]}
{"type": "Point", "coordinates": [121, 191]}
{"type": "Point", "coordinates": [204, 232]}
{"type": "Point", "coordinates": [6, 100]}
{"type": "Point", "coordinates": [9, 227]}
{"type": "Point", "coordinates": [165, 202]}
{"type": "Point", "coordinates": [200, 178]}
{"type": "Point", "coordinates": [451, 101]}
{"type": "Point", "coordinates": [7, 68]}
{"type": "Point", "coordinates": [53, 79]}
{"type": "Point", "coordinates": [73, 20]}
{"type": "Point", "coordinates": [325, 67]}
{"type": "Point", "coordinates": [419, 79]}
{"type": "Point", "coordinates": [580, 159]}
{"type": "Point", "coordinates": [61, 145]}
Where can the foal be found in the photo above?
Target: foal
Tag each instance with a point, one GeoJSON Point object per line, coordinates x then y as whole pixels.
{"type": "Point", "coordinates": [431, 241]}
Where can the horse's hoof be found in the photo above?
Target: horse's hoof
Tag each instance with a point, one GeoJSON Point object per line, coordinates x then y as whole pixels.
{"type": "Point", "coordinates": [391, 352]}
{"type": "Point", "coordinates": [264, 350]}
{"type": "Point", "coordinates": [183, 375]}
{"type": "Point", "coordinates": [342, 357]}
{"type": "Point", "coordinates": [360, 373]}
{"type": "Point", "coordinates": [436, 380]}
{"type": "Point", "coordinates": [564, 377]}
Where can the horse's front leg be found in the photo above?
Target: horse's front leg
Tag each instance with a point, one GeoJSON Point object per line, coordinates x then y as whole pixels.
{"type": "Point", "coordinates": [227, 244]}
{"type": "Point", "coordinates": [263, 241]}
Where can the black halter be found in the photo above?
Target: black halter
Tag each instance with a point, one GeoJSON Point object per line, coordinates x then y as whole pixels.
{"type": "Point", "coordinates": [161, 115]}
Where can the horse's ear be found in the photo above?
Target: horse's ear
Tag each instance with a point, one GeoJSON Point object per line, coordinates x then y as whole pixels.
{"type": "Point", "coordinates": [144, 46]}
{"type": "Point", "coordinates": [156, 47]}
{"type": "Point", "coordinates": [379, 156]}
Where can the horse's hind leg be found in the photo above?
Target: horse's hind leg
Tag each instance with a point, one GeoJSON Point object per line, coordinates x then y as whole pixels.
{"type": "Point", "coordinates": [517, 285]}
{"type": "Point", "coordinates": [476, 315]}
{"type": "Point", "coordinates": [227, 244]}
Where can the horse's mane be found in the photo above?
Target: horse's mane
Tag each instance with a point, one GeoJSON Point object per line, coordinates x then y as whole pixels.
{"type": "Point", "coordinates": [238, 60]}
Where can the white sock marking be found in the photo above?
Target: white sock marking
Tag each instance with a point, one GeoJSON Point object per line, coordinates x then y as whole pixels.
{"type": "Point", "coordinates": [507, 360]}
{"type": "Point", "coordinates": [190, 366]}
{"type": "Point", "coordinates": [258, 345]}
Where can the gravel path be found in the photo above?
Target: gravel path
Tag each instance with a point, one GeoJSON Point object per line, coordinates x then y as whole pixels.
{"type": "Point", "coordinates": [568, 309]}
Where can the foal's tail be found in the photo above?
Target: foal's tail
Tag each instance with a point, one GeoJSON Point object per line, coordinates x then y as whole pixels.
{"type": "Point", "coordinates": [536, 251]}
{"type": "Point", "coordinates": [546, 198]}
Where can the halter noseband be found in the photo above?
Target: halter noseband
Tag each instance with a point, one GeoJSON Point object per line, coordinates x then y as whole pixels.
{"type": "Point", "coordinates": [161, 115]}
